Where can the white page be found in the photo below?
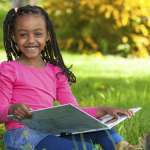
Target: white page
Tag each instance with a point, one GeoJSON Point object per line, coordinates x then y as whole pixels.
{"type": "Point", "coordinates": [107, 118]}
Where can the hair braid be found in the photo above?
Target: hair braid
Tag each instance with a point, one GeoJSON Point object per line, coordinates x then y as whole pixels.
{"type": "Point", "coordinates": [7, 36]}
{"type": "Point", "coordinates": [50, 53]}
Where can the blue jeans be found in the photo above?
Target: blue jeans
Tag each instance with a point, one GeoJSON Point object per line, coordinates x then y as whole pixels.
{"type": "Point", "coordinates": [14, 139]}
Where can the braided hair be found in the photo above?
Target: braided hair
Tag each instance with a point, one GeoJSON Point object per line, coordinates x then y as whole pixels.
{"type": "Point", "coordinates": [51, 52]}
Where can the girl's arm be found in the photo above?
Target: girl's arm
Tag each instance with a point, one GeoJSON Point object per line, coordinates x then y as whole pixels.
{"type": "Point", "coordinates": [65, 96]}
{"type": "Point", "coordinates": [7, 81]}
{"type": "Point", "coordinates": [7, 78]}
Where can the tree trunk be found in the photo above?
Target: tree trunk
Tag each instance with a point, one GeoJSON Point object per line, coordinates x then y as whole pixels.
{"type": "Point", "coordinates": [19, 3]}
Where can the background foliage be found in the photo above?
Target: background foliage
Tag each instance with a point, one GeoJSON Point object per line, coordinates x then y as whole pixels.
{"type": "Point", "coordinates": [104, 26]}
{"type": "Point", "coordinates": [4, 7]}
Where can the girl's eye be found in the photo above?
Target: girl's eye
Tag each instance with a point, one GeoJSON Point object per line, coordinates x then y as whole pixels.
{"type": "Point", "coordinates": [23, 35]}
{"type": "Point", "coordinates": [38, 34]}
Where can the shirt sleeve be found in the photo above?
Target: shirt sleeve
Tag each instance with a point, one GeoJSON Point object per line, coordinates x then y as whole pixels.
{"type": "Point", "coordinates": [65, 96]}
{"type": "Point", "coordinates": [7, 78]}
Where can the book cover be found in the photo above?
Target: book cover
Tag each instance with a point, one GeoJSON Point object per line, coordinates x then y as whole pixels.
{"type": "Point", "coordinates": [68, 119]}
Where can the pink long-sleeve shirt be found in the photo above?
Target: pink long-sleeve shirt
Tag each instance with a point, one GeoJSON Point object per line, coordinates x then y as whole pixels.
{"type": "Point", "coordinates": [38, 88]}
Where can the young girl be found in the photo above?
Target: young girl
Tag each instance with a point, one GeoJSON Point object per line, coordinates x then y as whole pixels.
{"type": "Point", "coordinates": [35, 79]}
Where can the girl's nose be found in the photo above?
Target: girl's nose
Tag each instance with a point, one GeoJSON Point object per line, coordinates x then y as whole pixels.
{"type": "Point", "coordinates": [31, 39]}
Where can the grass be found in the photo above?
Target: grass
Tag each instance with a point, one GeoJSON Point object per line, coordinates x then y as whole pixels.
{"type": "Point", "coordinates": [116, 82]}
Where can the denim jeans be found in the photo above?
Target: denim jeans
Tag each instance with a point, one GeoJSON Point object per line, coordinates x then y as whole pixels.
{"type": "Point", "coordinates": [14, 139]}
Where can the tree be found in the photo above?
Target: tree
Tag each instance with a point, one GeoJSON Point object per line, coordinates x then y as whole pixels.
{"type": "Point", "coordinates": [106, 26]}
{"type": "Point", "coordinates": [19, 3]}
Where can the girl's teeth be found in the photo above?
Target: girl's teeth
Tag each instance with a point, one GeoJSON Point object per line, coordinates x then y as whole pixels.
{"type": "Point", "coordinates": [31, 48]}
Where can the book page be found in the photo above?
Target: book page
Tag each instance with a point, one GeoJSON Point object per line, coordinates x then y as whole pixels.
{"type": "Point", "coordinates": [68, 119]}
{"type": "Point", "coordinates": [62, 119]}
{"type": "Point", "coordinates": [110, 121]}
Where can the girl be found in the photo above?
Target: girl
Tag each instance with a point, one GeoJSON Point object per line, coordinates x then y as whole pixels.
{"type": "Point", "coordinates": [35, 79]}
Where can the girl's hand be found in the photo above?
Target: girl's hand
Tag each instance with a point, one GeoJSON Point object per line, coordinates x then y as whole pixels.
{"type": "Point", "coordinates": [20, 111]}
{"type": "Point", "coordinates": [115, 112]}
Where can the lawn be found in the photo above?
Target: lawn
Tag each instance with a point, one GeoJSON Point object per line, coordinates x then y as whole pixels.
{"type": "Point", "coordinates": [116, 82]}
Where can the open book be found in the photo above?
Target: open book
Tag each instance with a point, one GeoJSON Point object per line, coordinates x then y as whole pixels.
{"type": "Point", "coordinates": [68, 119]}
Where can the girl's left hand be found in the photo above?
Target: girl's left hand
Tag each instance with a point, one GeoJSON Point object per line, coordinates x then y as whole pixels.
{"type": "Point", "coordinates": [115, 112]}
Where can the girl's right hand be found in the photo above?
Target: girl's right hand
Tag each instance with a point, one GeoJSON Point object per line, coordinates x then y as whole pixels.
{"type": "Point", "coordinates": [20, 111]}
{"type": "Point", "coordinates": [113, 111]}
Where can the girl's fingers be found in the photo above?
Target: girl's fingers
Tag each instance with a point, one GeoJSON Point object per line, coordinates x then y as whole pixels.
{"type": "Point", "coordinates": [20, 116]}
{"type": "Point", "coordinates": [115, 114]}
{"type": "Point", "coordinates": [127, 112]}
{"type": "Point", "coordinates": [131, 113]}
{"type": "Point", "coordinates": [27, 111]}
{"type": "Point", "coordinates": [23, 112]}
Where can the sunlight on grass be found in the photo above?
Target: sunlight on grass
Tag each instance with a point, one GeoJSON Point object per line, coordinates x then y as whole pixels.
{"type": "Point", "coordinates": [109, 66]}
{"type": "Point", "coordinates": [2, 55]}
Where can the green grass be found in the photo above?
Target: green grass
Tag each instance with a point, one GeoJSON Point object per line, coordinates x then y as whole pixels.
{"type": "Point", "coordinates": [116, 82]}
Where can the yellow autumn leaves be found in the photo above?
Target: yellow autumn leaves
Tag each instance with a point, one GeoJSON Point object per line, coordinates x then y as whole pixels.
{"type": "Point", "coordinates": [83, 25]}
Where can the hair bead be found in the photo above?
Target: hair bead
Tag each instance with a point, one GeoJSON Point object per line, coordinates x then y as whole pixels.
{"type": "Point", "coordinates": [16, 9]}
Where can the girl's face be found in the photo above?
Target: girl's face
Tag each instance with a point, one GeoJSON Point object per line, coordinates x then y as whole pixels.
{"type": "Point", "coordinates": [30, 35]}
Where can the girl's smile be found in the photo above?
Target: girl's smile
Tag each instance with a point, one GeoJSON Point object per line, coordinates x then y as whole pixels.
{"type": "Point", "coordinates": [31, 35]}
{"type": "Point", "coordinates": [31, 49]}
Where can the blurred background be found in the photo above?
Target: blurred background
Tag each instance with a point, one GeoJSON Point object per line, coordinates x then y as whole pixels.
{"type": "Point", "coordinates": [118, 27]}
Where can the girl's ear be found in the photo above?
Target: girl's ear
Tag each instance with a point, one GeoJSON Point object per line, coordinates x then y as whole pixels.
{"type": "Point", "coordinates": [13, 37]}
{"type": "Point", "coordinates": [48, 36]}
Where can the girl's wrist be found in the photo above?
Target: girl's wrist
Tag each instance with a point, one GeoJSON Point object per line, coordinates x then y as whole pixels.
{"type": "Point", "coordinates": [10, 110]}
{"type": "Point", "coordinates": [101, 111]}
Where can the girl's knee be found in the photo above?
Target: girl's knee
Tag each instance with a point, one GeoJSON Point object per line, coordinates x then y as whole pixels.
{"type": "Point", "coordinates": [87, 146]}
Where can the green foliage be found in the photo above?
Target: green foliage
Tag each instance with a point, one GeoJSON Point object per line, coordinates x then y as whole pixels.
{"type": "Point", "coordinates": [2, 131]}
{"type": "Point", "coordinates": [102, 25]}
{"type": "Point", "coordinates": [25, 134]}
{"type": "Point", "coordinates": [4, 7]}
{"type": "Point", "coordinates": [28, 147]}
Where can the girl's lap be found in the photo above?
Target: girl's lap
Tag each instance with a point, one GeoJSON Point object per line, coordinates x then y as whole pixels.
{"type": "Point", "coordinates": [106, 138]}
{"type": "Point", "coordinates": [14, 139]}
